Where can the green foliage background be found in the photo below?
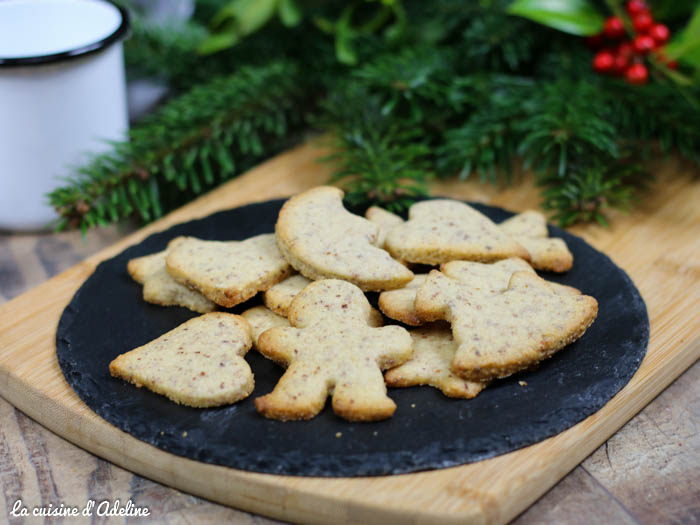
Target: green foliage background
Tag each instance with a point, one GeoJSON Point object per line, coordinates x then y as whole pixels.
{"type": "Point", "coordinates": [408, 90]}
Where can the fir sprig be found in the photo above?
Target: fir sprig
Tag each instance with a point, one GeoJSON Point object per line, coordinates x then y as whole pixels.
{"type": "Point", "coordinates": [588, 191]}
{"type": "Point", "coordinates": [377, 160]}
{"type": "Point", "coordinates": [190, 143]}
{"type": "Point", "coordinates": [455, 88]}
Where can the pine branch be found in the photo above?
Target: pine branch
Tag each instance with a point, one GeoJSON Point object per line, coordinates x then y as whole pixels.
{"type": "Point", "coordinates": [189, 145]}
{"type": "Point", "coordinates": [587, 191]}
{"type": "Point", "coordinates": [378, 160]}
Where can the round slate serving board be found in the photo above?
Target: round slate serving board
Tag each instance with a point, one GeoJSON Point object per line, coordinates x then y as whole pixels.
{"type": "Point", "coordinates": [107, 317]}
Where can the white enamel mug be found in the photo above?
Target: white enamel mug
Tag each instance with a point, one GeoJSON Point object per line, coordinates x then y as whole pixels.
{"type": "Point", "coordinates": [62, 97]}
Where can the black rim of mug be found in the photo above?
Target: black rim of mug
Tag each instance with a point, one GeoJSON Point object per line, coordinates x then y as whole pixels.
{"type": "Point", "coordinates": [78, 52]}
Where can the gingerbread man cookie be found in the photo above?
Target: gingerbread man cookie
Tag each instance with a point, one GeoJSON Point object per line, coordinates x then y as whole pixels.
{"type": "Point", "coordinates": [332, 350]}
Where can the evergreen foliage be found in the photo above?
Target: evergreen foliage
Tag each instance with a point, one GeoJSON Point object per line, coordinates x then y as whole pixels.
{"type": "Point", "coordinates": [422, 90]}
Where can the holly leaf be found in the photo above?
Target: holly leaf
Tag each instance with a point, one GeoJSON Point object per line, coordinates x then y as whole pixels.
{"type": "Point", "coordinates": [217, 42]}
{"type": "Point", "coordinates": [576, 17]}
{"type": "Point", "coordinates": [686, 45]}
{"type": "Point", "coordinates": [289, 13]}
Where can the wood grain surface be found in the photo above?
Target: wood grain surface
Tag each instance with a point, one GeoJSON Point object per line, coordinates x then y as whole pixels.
{"type": "Point", "coordinates": [648, 472]}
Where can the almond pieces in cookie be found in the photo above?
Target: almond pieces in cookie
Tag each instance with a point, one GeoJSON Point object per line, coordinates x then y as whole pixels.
{"type": "Point", "coordinates": [199, 364]}
{"type": "Point", "coordinates": [503, 333]}
{"type": "Point", "coordinates": [330, 349]}
{"type": "Point", "coordinates": [228, 273]}
{"type": "Point", "coordinates": [442, 230]}
{"type": "Point", "coordinates": [160, 288]}
{"type": "Point", "coordinates": [321, 240]}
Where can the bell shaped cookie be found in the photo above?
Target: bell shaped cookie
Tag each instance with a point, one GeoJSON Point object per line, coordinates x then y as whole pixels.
{"type": "Point", "coordinates": [200, 363]}
{"type": "Point", "coordinates": [442, 230]}
{"type": "Point", "coordinates": [330, 349]}
{"type": "Point", "coordinates": [321, 240]}
{"type": "Point", "coordinates": [502, 333]}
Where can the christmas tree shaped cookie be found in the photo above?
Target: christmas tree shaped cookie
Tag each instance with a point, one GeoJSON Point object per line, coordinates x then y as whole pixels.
{"type": "Point", "coordinates": [160, 288]}
{"type": "Point", "coordinates": [261, 319]}
{"type": "Point", "coordinates": [279, 296]}
{"type": "Point", "coordinates": [530, 230]}
{"type": "Point", "coordinates": [332, 350]}
{"type": "Point", "coordinates": [433, 351]}
{"type": "Point", "coordinates": [321, 239]}
{"type": "Point", "coordinates": [441, 230]}
{"type": "Point", "coordinates": [385, 220]}
{"type": "Point", "coordinates": [200, 363]}
{"type": "Point", "coordinates": [502, 333]}
{"type": "Point", "coordinates": [228, 273]}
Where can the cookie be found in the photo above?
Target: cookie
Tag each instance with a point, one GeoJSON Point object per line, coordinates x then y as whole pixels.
{"type": "Point", "coordinates": [433, 351]}
{"type": "Point", "coordinates": [321, 239]}
{"type": "Point", "coordinates": [260, 319]}
{"type": "Point", "coordinates": [200, 363]}
{"type": "Point", "coordinates": [398, 304]}
{"type": "Point", "coordinates": [280, 296]}
{"type": "Point", "coordinates": [160, 288]}
{"type": "Point", "coordinates": [384, 219]}
{"type": "Point", "coordinates": [530, 230]}
{"type": "Point", "coordinates": [330, 349]}
{"type": "Point", "coordinates": [228, 273]}
{"type": "Point", "coordinates": [442, 230]}
{"type": "Point", "coordinates": [489, 278]}
{"type": "Point", "coordinates": [502, 333]}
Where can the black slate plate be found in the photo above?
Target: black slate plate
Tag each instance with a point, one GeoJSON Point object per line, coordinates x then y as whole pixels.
{"type": "Point", "coordinates": [107, 317]}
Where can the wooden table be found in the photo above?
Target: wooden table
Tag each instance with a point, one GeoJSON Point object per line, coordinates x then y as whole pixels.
{"type": "Point", "coordinates": [648, 472]}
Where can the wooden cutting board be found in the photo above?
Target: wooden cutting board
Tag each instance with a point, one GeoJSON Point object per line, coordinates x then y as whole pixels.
{"type": "Point", "coordinates": [658, 245]}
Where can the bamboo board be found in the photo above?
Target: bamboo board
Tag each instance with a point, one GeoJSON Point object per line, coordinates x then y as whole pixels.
{"type": "Point", "coordinates": [658, 245]}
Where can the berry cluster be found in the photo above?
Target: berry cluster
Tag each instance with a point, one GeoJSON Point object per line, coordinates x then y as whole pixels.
{"type": "Point", "coordinates": [618, 56]}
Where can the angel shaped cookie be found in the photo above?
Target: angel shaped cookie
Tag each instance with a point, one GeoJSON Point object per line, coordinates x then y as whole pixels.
{"type": "Point", "coordinates": [489, 278]}
{"type": "Point", "coordinates": [330, 349]}
{"type": "Point", "coordinates": [443, 230]}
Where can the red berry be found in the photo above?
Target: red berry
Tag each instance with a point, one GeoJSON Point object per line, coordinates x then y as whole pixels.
{"type": "Point", "coordinates": [603, 61]}
{"type": "Point", "coordinates": [634, 7]}
{"type": "Point", "coordinates": [642, 22]}
{"type": "Point", "coordinates": [622, 62]}
{"type": "Point", "coordinates": [643, 44]}
{"type": "Point", "coordinates": [595, 41]}
{"type": "Point", "coordinates": [626, 49]}
{"type": "Point", "coordinates": [614, 28]}
{"type": "Point", "coordinates": [637, 74]}
{"type": "Point", "coordinates": [660, 33]}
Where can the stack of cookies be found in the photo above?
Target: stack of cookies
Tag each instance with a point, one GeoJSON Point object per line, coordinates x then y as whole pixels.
{"type": "Point", "coordinates": [477, 312]}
